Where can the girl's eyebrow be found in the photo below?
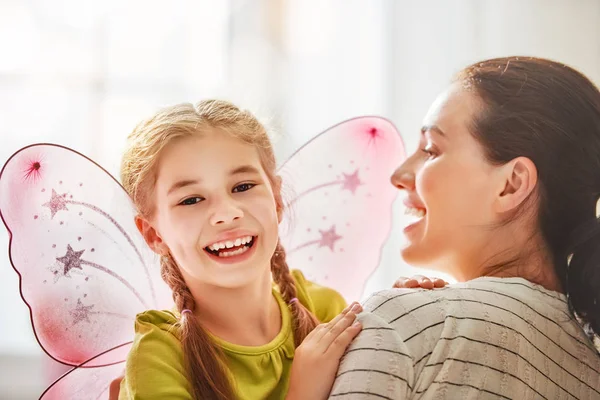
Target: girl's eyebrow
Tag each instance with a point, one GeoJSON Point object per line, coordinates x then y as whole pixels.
{"type": "Point", "coordinates": [182, 184]}
{"type": "Point", "coordinates": [244, 169]}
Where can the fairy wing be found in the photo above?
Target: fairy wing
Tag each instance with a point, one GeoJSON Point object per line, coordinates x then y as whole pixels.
{"type": "Point", "coordinates": [85, 272]}
{"type": "Point", "coordinates": [89, 383]}
{"type": "Point", "coordinates": [84, 269]}
{"type": "Point", "coordinates": [340, 213]}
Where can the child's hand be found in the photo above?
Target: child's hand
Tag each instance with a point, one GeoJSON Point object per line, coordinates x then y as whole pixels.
{"type": "Point", "coordinates": [113, 393]}
{"type": "Point", "coordinates": [419, 281]}
{"type": "Point", "coordinates": [318, 357]}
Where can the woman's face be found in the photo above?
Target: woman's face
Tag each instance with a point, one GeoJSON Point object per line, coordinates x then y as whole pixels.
{"type": "Point", "coordinates": [449, 186]}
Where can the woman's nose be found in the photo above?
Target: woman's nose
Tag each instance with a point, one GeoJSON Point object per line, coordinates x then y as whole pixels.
{"type": "Point", "coordinates": [403, 178]}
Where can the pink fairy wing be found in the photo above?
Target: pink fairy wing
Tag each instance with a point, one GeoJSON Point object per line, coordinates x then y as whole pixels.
{"type": "Point", "coordinates": [85, 271]}
{"type": "Point", "coordinates": [83, 383]}
{"type": "Point", "coordinates": [341, 209]}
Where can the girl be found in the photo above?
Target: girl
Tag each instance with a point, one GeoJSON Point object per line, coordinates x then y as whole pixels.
{"type": "Point", "coordinates": [209, 202]}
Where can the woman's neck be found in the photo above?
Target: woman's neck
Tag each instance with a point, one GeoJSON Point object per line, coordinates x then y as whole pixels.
{"type": "Point", "coordinates": [497, 257]}
{"type": "Point", "coordinates": [247, 316]}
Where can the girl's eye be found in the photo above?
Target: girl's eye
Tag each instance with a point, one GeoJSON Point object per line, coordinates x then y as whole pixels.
{"type": "Point", "coordinates": [191, 201]}
{"type": "Point", "coordinates": [243, 187]}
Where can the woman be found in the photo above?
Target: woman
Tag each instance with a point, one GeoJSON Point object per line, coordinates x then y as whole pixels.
{"type": "Point", "coordinates": [504, 186]}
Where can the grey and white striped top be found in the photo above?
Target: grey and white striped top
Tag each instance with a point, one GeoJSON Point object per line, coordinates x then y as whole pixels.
{"type": "Point", "coordinates": [489, 338]}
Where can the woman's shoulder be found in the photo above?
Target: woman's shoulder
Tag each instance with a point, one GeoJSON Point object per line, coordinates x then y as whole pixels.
{"type": "Point", "coordinates": [394, 304]}
{"type": "Point", "coordinates": [513, 304]}
{"type": "Point", "coordinates": [476, 291]}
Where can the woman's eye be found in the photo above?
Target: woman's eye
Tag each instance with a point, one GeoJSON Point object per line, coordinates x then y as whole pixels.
{"type": "Point", "coordinates": [429, 151]}
{"type": "Point", "coordinates": [243, 187]}
{"type": "Point", "coordinates": [191, 201]}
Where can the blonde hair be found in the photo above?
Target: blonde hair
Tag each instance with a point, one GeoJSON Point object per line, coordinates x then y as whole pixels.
{"type": "Point", "coordinates": [204, 359]}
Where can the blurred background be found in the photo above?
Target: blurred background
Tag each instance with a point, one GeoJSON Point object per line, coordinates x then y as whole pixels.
{"type": "Point", "coordinates": [82, 72]}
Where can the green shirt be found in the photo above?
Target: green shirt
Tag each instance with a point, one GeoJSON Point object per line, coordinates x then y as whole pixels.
{"type": "Point", "coordinates": [155, 365]}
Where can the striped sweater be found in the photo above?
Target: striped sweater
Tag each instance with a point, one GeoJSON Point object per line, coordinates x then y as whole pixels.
{"type": "Point", "coordinates": [489, 338]}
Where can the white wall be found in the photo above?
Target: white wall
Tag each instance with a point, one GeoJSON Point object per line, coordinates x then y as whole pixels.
{"type": "Point", "coordinates": [394, 57]}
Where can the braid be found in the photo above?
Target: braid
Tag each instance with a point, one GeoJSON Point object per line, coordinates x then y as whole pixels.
{"type": "Point", "coordinates": [303, 320]}
{"type": "Point", "coordinates": [206, 370]}
{"type": "Point", "coordinates": [170, 273]}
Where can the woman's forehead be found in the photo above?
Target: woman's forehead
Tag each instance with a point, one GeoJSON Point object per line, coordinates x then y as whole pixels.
{"type": "Point", "coordinates": [452, 110]}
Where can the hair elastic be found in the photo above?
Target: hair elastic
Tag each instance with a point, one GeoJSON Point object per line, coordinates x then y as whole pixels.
{"type": "Point", "coordinates": [294, 300]}
{"type": "Point", "coordinates": [185, 311]}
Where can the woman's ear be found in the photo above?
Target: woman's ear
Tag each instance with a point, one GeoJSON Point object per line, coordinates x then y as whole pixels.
{"type": "Point", "coordinates": [518, 180]}
{"type": "Point", "coordinates": [151, 236]}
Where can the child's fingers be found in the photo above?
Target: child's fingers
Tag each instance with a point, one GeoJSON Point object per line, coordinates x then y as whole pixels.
{"type": "Point", "coordinates": [406, 283]}
{"type": "Point", "coordinates": [349, 307]}
{"type": "Point", "coordinates": [317, 334]}
{"type": "Point", "coordinates": [439, 283]}
{"type": "Point", "coordinates": [424, 281]}
{"type": "Point", "coordinates": [113, 393]}
{"type": "Point", "coordinates": [400, 282]}
{"type": "Point", "coordinates": [337, 348]}
{"type": "Point", "coordinates": [338, 328]}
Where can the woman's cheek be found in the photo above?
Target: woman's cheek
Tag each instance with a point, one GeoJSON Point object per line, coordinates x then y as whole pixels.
{"type": "Point", "coordinates": [428, 184]}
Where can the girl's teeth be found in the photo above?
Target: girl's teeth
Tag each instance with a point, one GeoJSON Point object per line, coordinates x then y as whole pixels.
{"type": "Point", "coordinates": [221, 247]}
{"type": "Point", "coordinates": [230, 243]}
{"type": "Point", "coordinates": [233, 253]}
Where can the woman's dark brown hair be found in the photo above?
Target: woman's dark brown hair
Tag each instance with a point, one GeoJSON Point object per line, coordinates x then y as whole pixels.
{"type": "Point", "coordinates": [549, 113]}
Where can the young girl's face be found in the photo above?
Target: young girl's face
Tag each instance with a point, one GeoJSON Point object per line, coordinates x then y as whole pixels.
{"type": "Point", "coordinates": [216, 211]}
